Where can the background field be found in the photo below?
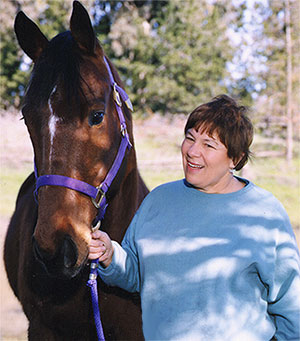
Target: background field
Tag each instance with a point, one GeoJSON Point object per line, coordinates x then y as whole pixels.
{"type": "Point", "coordinates": [158, 150]}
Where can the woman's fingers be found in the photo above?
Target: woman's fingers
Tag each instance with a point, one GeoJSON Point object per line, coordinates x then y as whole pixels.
{"type": "Point", "coordinates": [100, 235]}
{"type": "Point", "coordinates": [101, 248]}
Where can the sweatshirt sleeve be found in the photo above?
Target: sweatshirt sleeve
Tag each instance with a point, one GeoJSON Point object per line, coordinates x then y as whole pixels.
{"type": "Point", "coordinates": [284, 289]}
{"type": "Point", "coordinates": [123, 270]}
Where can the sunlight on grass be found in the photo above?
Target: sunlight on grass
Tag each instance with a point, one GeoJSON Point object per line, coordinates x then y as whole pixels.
{"type": "Point", "coordinates": [154, 178]}
{"type": "Point", "coordinates": [10, 182]}
{"type": "Point", "coordinates": [270, 174]}
{"type": "Point", "coordinates": [283, 181]}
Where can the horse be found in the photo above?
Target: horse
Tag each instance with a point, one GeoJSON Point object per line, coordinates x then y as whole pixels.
{"type": "Point", "coordinates": [71, 110]}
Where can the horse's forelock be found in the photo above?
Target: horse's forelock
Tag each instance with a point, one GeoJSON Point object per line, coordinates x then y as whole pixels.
{"type": "Point", "coordinates": [58, 65]}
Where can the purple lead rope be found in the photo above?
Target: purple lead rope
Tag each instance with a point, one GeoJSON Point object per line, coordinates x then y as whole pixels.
{"type": "Point", "coordinates": [92, 283]}
{"type": "Point", "coordinates": [125, 143]}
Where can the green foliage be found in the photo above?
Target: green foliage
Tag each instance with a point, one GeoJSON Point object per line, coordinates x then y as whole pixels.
{"type": "Point", "coordinates": [177, 60]}
{"type": "Point", "coordinates": [55, 18]}
{"type": "Point", "coordinates": [14, 73]}
{"type": "Point", "coordinates": [171, 54]}
{"type": "Point", "coordinates": [272, 49]}
{"type": "Point", "coordinates": [12, 77]}
{"type": "Point", "coordinates": [275, 51]}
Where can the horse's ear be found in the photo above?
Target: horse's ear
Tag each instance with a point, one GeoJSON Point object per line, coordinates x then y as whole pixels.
{"type": "Point", "coordinates": [30, 37]}
{"type": "Point", "coordinates": [81, 28]}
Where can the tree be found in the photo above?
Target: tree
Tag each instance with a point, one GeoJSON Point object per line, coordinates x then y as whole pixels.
{"type": "Point", "coordinates": [289, 90]}
{"type": "Point", "coordinates": [174, 61]}
{"type": "Point", "coordinates": [172, 55]}
{"type": "Point", "coordinates": [279, 45]}
{"type": "Point", "coordinates": [52, 17]}
{"type": "Point", "coordinates": [14, 74]}
{"type": "Point", "coordinates": [11, 75]}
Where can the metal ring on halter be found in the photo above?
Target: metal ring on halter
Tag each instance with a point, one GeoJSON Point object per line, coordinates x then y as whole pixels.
{"type": "Point", "coordinates": [99, 197]}
{"type": "Point", "coordinates": [96, 227]}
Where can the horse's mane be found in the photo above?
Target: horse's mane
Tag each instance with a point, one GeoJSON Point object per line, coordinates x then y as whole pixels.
{"type": "Point", "coordinates": [58, 64]}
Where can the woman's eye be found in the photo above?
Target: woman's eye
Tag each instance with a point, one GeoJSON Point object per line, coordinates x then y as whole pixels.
{"type": "Point", "coordinates": [189, 138]}
{"type": "Point", "coordinates": [96, 118]}
{"type": "Point", "coordinates": [210, 146]}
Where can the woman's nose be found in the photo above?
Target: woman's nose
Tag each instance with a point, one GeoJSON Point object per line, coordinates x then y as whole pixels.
{"type": "Point", "coordinates": [194, 150]}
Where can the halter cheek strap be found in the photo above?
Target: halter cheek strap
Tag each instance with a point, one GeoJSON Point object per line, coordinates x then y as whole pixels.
{"type": "Point", "coordinates": [97, 194]}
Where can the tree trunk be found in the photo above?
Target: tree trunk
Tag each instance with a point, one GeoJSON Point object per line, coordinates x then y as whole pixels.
{"type": "Point", "coordinates": [289, 113]}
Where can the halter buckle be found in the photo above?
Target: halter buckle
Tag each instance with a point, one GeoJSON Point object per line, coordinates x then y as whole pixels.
{"type": "Point", "coordinates": [124, 134]}
{"type": "Point", "coordinates": [129, 104]}
{"type": "Point", "coordinates": [117, 97]}
{"type": "Point", "coordinates": [123, 130]}
{"type": "Point", "coordinates": [99, 197]}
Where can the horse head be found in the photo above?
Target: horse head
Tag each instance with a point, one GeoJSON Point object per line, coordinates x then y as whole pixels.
{"type": "Point", "coordinates": [71, 115]}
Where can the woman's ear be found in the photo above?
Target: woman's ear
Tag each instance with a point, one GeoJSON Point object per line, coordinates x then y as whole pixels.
{"type": "Point", "coordinates": [236, 164]}
{"type": "Point", "coordinates": [232, 164]}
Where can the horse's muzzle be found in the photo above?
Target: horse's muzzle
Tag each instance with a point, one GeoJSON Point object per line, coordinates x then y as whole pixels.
{"type": "Point", "coordinates": [60, 264]}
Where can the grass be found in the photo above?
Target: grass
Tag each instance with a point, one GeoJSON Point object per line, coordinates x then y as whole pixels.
{"type": "Point", "coordinates": [271, 174]}
{"type": "Point", "coordinates": [153, 178]}
{"type": "Point", "coordinates": [10, 182]}
{"type": "Point", "coordinates": [283, 181]}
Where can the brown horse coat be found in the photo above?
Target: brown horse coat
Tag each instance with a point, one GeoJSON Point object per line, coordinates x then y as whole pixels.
{"type": "Point", "coordinates": [46, 247]}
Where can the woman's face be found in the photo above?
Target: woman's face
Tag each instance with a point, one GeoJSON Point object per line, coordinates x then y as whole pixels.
{"type": "Point", "coordinates": [206, 164]}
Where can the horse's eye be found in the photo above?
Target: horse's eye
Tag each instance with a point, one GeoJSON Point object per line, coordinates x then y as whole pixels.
{"type": "Point", "coordinates": [96, 118]}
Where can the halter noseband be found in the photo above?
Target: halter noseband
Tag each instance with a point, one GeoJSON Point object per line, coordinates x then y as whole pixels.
{"type": "Point", "coordinates": [97, 194]}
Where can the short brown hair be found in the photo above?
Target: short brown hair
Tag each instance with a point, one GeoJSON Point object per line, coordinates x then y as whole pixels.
{"type": "Point", "coordinates": [223, 116]}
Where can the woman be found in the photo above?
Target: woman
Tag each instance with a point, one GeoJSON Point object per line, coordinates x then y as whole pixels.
{"type": "Point", "coordinates": [213, 256]}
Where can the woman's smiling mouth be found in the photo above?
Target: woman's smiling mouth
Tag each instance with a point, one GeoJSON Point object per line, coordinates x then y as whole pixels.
{"type": "Point", "coordinates": [194, 165]}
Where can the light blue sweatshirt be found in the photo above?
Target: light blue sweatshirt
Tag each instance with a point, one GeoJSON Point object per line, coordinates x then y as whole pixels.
{"type": "Point", "coordinates": [211, 266]}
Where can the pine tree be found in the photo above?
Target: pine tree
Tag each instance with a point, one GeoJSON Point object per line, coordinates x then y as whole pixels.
{"type": "Point", "coordinates": [11, 76]}
{"type": "Point", "coordinates": [176, 59]}
{"type": "Point", "coordinates": [279, 44]}
{"type": "Point", "coordinates": [52, 16]}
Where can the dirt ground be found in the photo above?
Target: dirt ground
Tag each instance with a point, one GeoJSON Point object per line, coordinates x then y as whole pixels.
{"type": "Point", "coordinates": [14, 152]}
{"type": "Point", "coordinates": [13, 323]}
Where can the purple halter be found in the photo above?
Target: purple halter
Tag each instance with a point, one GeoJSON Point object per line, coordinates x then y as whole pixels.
{"type": "Point", "coordinates": [97, 194]}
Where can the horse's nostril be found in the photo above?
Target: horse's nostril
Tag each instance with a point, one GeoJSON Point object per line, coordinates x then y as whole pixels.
{"type": "Point", "coordinates": [69, 252]}
{"type": "Point", "coordinates": [40, 254]}
{"type": "Point", "coordinates": [65, 257]}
